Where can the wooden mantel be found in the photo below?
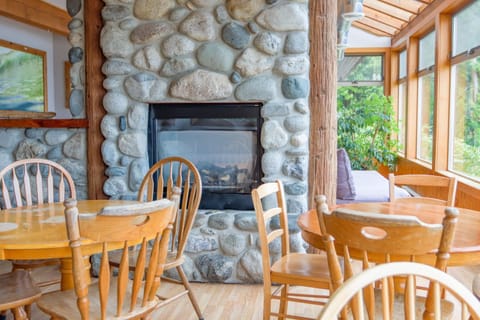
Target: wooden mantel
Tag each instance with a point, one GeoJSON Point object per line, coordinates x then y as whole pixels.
{"type": "Point", "coordinates": [37, 13]}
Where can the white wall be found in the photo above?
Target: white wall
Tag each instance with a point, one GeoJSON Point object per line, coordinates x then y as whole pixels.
{"type": "Point", "coordinates": [56, 48]}
{"type": "Point", "coordinates": [360, 39]}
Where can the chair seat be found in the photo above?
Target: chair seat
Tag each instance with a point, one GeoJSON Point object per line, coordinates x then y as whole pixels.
{"type": "Point", "coordinates": [63, 304]}
{"type": "Point", "coordinates": [17, 289]}
{"type": "Point", "coordinates": [302, 269]}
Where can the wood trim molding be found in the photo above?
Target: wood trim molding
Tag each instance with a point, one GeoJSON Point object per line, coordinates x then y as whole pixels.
{"type": "Point", "coordinates": [43, 123]}
{"type": "Point", "coordinates": [94, 93]}
{"type": "Point", "coordinates": [37, 13]}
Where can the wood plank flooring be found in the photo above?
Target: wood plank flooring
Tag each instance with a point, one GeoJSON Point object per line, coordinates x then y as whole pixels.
{"type": "Point", "coordinates": [234, 301]}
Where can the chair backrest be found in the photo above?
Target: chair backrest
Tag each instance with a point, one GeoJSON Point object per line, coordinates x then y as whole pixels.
{"type": "Point", "coordinates": [354, 288]}
{"type": "Point", "coordinates": [269, 202]}
{"type": "Point", "coordinates": [437, 185]}
{"type": "Point", "coordinates": [35, 181]}
{"type": "Point", "coordinates": [159, 182]}
{"type": "Point", "coordinates": [379, 238]}
{"type": "Point", "coordinates": [118, 228]}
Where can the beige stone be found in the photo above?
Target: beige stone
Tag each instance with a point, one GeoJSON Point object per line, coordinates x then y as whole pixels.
{"type": "Point", "coordinates": [152, 9]}
{"type": "Point", "coordinates": [244, 10]}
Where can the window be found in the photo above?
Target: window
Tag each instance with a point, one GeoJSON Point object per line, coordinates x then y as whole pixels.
{"type": "Point", "coordinates": [426, 97]}
{"type": "Point", "coordinates": [365, 116]}
{"type": "Point", "coordinates": [402, 100]}
{"type": "Point", "coordinates": [464, 151]}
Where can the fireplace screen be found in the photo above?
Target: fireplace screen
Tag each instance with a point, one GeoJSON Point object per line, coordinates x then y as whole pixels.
{"type": "Point", "coordinates": [221, 140]}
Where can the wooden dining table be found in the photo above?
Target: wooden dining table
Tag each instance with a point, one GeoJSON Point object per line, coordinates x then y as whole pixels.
{"type": "Point", "coordinates": [39, 232]}
{"type": "Point", "coordinates": [465, 249]}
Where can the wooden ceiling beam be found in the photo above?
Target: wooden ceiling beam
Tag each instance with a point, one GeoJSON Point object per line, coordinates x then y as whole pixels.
{"type": "Point", "coordinates": [381, 17]}
{"type": "Point", "coordinates": [407, 5]}
{"type": "Point", "coordinates": [367, 28]}
{"type": "Point", "coordinates": [378, 25]}
{"type": "Point", "coordinates": [37, 13]}
{"type": "Point", "coordinates": [388, 9]}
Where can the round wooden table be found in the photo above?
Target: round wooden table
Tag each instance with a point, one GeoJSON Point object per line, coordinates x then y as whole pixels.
{"type": "Point", "coordinates": [39, 232]}
{"type": "Point", "coordinates": [466, 243]}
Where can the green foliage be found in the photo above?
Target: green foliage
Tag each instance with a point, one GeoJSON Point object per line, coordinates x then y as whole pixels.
{"type": "Point", "coordinates": [366, 122]}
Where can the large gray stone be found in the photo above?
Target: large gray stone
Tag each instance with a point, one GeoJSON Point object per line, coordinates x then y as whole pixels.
{"type": "Point", "coordinates": [271, 162]}
{"type": "Point", "coordinates": [114, 42]}
{"type": "Point", "coordinates": [146, 87]}
{"type": "Point", "coordinates": [199, 25]}
{"type": "Point", "coordinates": [117, 67]}
{"type": "Point", "coordinates": [296, 42]}
{"type": "Point", "coordinates": [133, 144]}
{"type": "Point", "coordinates": [292, 65]}
{"type": "Point", "coordinates": [109, 126]}
{"type": "Point", "coordinates": [296, 123]}
{"type": "Point", "coordinates": [11, 137]}
{"type": "Point", "coordinates": [110, 154]}
{"type": "Point", "coordinates": [177, 45]}
{"type": "Point", "coordinates": [275, 109]}
{"type": "Point", "coordinates": [252, 62]}
{"type": "Point", "coordinates": [115, 12]}
{"type": "Point", "coordinates": [273, 136]}
{"type": "Point", "coordinates": [115, 102]}
{"type": "Point", "coordinates": [232, 244]}
{"type": "Point", "coordinates": [284, 17]}
{"type": "Point", "coordinates": [176, 66]}
{"type": "Point", "coordinates": [262, 88]}
{"type": "Point", "coordinates": [215, 268]}
{"type": "Point", "coordinates": [138, 169]}
{"type": "Point", "coordinates": [296, 168]}
{"type": "Point", "coordinates": [235, 35]}
{"type": "Point", "coordinates": [268, 43]}
{"type": "Point", "coordinates": [148, 58]}
{"type": "Point", "coordinates": [74, 7]}
{"type": "Point", "coordinates": [206, 3]}
{"type": "Point", "coordinates": [199, 243]}
{"type": "Point", "coordinates": [246, 222]}
{"type": "Point", "coordinates": [151, 32]}
{"type": "Point", "coordinates": [30, 149]}
{"type": "Point", "coordinates": [251, 262]}
{"type": "Point", "coordinates": [216, 56]}
{"type": "Point", "coordinates": [202, 85]}
{"type": "Point", "coordinates": [220, 221]}
{"type": "Point", "coordinates": [295, 87]}
{"type": "Point", "coordinates": [115, 186]}
{"type": "Point", "coordinates": [75, 54]}
{"type": "Point", "coordinates": [76, 146]}
{"type": "Point", "coordinates": [56, 136]}
{"type": "Point", "coordinates": [138, 116]}
{"type": "Point", "coordinates": [76, 103]}
{"type": "Point", "coordinates": [296, 188]}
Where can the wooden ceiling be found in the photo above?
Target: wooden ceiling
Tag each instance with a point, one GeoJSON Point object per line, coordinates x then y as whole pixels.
{"type": "Point", "coordinates": [387, 17]}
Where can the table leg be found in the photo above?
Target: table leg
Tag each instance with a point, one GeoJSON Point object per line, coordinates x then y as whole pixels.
{"type": "Point", "coordinates": [67, 272]}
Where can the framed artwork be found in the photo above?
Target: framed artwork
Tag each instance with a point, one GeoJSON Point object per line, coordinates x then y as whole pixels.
{"type": "Point", "coordinates": [23, 81]}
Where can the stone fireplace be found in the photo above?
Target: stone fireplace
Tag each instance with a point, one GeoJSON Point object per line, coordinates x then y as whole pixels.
{"type": "Point", "coordinates": [205, 52]}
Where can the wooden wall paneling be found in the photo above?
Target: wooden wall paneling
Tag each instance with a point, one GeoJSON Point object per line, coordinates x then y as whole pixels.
{"type": "Point", "coordinates": [412, 98]}
{"type": "Point", "coordinates": [94, 93]}
{"type": "Point", "coordinates": [442, 91]}
{"type": "Point", "coordinates": [37, 13]}
{"type": "Point", "coordinates": [322, 175]}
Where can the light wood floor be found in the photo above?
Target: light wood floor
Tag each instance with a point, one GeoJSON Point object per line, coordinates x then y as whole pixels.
{"type": "Point", "coordinates": [234, 301]}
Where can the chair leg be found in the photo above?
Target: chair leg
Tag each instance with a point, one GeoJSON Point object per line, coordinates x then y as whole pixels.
{"type": "Point", "coordinates": [283, 302]}
{"type": "Point", "coordinates": [186, 284]}
{"type": "Point", "coordinates": [19, 313]}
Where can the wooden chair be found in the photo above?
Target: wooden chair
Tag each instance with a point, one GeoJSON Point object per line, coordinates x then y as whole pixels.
{"type": "Point", "coordinates": [160, 182]}
{"type": "Point", "coordinates": [128, 296]}
{"type": "Point", "coordinates": [379, 238]}
{"type": "Point", "coordinates": [286, 269]}
{"type": "Point", "coordinates": [35, 181]}
{"type": "Point", "coordinates": [357, 286]}
{"type": "Point", "coordinates": [448, 184]}
{"type": "Point", "coordinates": [476, 286]}
{"type": "Point", "coordinates": [17, 290]}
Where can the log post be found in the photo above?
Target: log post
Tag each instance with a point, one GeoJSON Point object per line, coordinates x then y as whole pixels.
{"type": "Point", "coordinates": [323, 101]}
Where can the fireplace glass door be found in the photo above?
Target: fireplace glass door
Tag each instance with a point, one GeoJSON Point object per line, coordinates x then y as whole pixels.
{"type": "Point", "coordinates": [223, 143]}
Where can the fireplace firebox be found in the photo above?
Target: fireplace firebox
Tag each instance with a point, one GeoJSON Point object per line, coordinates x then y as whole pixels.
{"type": "Point", "coordinates": [221, 139]}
